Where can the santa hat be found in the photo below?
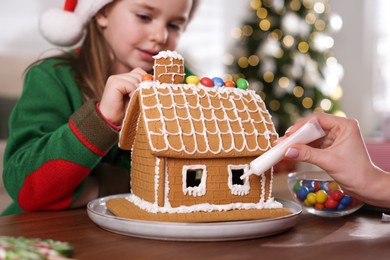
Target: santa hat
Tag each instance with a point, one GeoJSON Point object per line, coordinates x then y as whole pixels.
{"type": "Point", "coordinates": [65, 27]}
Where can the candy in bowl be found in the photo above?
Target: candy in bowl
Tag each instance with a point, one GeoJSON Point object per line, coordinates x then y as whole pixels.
{"type": "Point", "coordinates": [320, 195]}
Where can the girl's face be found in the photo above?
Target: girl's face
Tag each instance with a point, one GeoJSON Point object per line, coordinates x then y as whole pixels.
{"type": "Point", "coordinates": [137, 30]}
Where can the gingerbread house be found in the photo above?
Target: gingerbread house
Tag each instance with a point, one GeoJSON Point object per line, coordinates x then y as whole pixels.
{"type": "Point", "coordinates": [191, 144]}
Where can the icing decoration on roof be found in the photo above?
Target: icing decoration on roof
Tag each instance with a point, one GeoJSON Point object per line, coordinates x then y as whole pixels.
{"type": "Point", "coordinates": [188, 120]}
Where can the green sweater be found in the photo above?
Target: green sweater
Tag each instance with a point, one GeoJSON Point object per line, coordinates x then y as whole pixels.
{"type": "Point", "coordinates": [56, 142]}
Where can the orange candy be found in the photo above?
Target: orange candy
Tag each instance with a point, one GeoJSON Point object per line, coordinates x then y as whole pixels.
{"type": "Point", "coordinates": [147, 77]}
{"type": "Point", "coordinates": [319, 206]}
{"type": "Point", "coordinates": [230, 84]}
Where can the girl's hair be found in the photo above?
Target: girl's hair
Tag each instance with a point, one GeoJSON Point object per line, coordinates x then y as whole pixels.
{"type": "Point", "coordinates": [94, 63]}
{"type": "Point", "coordinates": [95, 60]}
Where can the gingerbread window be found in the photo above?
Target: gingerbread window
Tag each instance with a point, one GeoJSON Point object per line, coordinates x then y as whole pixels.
{"type": "Point", "coordinates": [235, 183]}
{"type": "Point", "coordinates": [194, 180]}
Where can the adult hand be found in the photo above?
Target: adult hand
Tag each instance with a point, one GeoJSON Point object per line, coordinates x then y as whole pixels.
{"type": "Point", "coordinates": [343, 154]}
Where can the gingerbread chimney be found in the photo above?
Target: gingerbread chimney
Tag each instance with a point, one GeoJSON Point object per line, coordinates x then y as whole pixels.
{"type": "Point", "coordinates": [169, 67]}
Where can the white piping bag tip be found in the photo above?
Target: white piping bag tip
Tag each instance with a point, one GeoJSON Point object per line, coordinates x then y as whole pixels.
{"type": "Point", "coordinates": [306, 134]}
{"type": "Point", "coordinates": [247, 174]}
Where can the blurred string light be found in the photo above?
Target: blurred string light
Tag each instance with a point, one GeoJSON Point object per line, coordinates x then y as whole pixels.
{"type": "Point", "coordinates": [284, 51]}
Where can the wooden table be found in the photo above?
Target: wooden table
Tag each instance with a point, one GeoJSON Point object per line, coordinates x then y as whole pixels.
{"type": "Point", "coordinates": [361, 235]}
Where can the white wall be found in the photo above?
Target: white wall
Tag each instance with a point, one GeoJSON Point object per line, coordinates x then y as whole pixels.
{"type": "Point", "coordinates": [208, 36]}
{"type": "Point", "coordinates": [20, 41]}
{"type": "Point", "coordinates": [353, 46]}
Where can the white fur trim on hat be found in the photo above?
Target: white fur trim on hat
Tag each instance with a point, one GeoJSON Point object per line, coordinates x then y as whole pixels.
{"type": "Point", "coordinates": [64, 28]}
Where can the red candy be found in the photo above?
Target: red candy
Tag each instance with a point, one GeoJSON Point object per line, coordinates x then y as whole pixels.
{"type": "Point", "coordinates": [316, 186]}
{"type": "Point", "coordinates": [207, 82]}
{"type": "Point", "coordinates": [337, 194]}
{"type": "Point", "coordinates": [331, 203]}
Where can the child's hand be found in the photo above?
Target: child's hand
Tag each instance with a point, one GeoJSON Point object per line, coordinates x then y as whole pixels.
{"type": "Point", "coordinates": [117, 94]}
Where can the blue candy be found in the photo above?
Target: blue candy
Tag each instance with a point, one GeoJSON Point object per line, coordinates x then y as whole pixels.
{"type": "Point", "coordinates": [324, 186]}
{"type": "Point", "coordinates": [310, 185]}
{"type": "Point", "coordinates": [218, 82]}
{"type": "Point", "coordinates": [346, 200]}
{"type": "Point", "coordinates": [341, 207]}
{"type": "Point", "coordinates": [302, 193]}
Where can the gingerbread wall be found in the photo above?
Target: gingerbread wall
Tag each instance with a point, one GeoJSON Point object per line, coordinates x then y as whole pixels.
{"type": "Point", "coordinates": [217, 188]}
{"type": "Point", "coordinates": [143, 167]}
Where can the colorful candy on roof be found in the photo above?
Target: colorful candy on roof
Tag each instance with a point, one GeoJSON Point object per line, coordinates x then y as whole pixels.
{"type": "Point", "coordinates": [209, 82]}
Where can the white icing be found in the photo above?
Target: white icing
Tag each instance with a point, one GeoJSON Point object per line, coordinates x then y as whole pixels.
{"type": "Point", "coordinates": [263, 180]}
{"type": "Point", "coordinates": [146, 84]}
{"type": "Point", "coordinates": [168, 54]}
{"type": "Point", "coordinates": [167, 189]}
{"type": "Point", "coordinates": [156, 178]}
{"type": "Point", "coordinates": [204, 207]}
{"type": "Point", "coordinates": [271, 182]}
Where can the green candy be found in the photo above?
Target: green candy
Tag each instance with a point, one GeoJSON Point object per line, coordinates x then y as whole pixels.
{"type": "Point", "coordinates": [242, 84]}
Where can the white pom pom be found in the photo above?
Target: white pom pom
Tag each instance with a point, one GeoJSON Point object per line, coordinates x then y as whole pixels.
{"type": "Point", "coordinates": [60, 27]}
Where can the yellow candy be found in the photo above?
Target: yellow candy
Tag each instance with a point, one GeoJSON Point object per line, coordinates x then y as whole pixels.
{"type": "Point", "coordinates": [311, 198]}
{"type": "Point", "coordinates": [307, 203]}
{"type": "Point", "coordinates": [192, 80]}
{"type": "Point", "coordinates": [321, 196]}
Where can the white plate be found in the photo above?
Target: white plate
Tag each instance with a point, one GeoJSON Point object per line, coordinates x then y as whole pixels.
{"type": "Point", "coordinates": [217, 231]}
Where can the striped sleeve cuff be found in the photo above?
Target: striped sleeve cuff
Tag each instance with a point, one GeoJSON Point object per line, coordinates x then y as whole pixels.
{"type": "Point", "coordinates": [92, 130]}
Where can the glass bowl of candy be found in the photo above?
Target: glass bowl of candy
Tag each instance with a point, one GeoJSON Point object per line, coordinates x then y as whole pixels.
{"type": "Point", "coordinates": [320, 195]}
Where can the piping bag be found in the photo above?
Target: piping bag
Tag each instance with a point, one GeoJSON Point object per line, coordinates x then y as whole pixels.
{"type": "Point", "coordinates": [308, 133]}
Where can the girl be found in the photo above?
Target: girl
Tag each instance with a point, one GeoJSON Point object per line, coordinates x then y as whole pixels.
{"type": "Point", "coordinates": [62, 152]}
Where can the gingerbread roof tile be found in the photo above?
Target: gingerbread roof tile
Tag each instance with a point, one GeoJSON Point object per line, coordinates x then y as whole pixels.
{"type": "Point", "coordinates": [188, 121]}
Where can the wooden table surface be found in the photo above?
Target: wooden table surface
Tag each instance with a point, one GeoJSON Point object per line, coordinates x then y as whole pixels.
{"type": "Point", "coordinates": [361, 235]}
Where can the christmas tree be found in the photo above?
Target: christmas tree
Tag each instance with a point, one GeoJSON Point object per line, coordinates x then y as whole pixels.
{"type": "Point", "coordinates": [284, 51]}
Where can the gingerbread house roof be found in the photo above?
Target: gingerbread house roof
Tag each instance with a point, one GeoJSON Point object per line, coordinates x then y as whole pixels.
{"type": "Point", "coordinates": [188, 121]}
